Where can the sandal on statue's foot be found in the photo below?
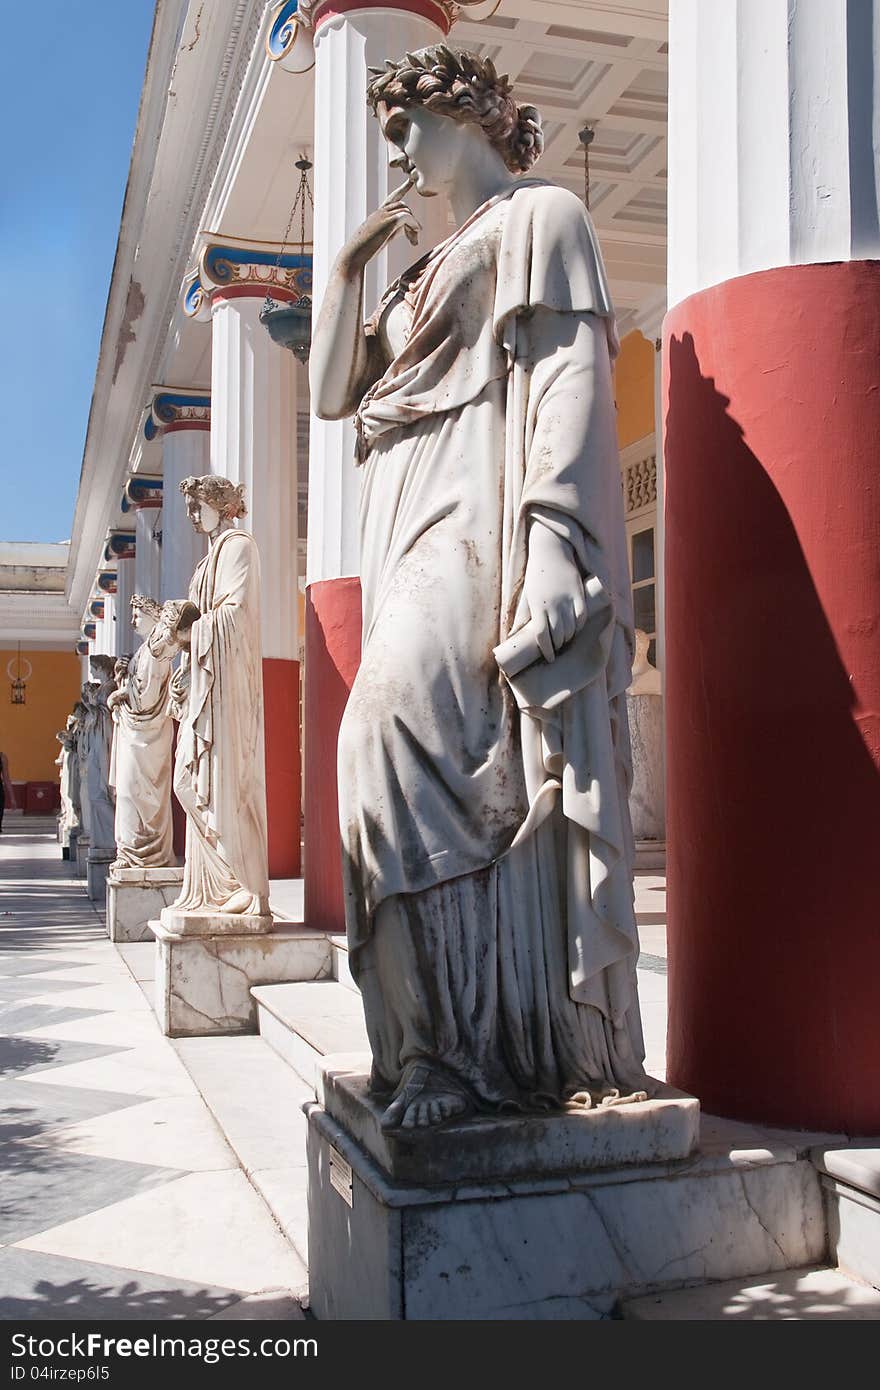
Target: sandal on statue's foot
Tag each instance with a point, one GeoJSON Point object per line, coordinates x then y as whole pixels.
{"type": "Point", "coordinates": [425, 1099]}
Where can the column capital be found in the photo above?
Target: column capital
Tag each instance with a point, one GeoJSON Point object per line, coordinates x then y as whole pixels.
{"type": "Point", "coordinates": [312, 14]}
{"type": "Point", "coordinates": [107, 581]}
{"type": "Point", "coordinates": [119, 546]}
{"type": "Point", "coordinates": [142, 490]}
{"type": "Point", "coordinates": [177, 408]}
{"type": "Point", "coordinates": [234, 269]}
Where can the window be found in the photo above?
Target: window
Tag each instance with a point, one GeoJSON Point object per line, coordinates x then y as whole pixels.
{"type": "Point", "coordinates": [643, 569]}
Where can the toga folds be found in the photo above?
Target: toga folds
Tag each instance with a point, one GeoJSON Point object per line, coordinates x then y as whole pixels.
{"type": "Point", "coordinates": [219, 774]}
{"type": "Point", "coordinates": [496, 412]}
{"type": "Point", "coordinates": [140, 769]}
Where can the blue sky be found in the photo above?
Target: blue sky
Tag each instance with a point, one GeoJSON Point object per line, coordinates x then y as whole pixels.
{"type": "Point", "coordinates": [68, 103]}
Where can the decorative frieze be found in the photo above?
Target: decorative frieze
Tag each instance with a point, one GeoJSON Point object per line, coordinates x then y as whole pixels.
{"type": "Point", "coordinates": [640, 483]}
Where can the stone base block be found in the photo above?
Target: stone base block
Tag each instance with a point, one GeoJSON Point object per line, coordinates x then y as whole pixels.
{"type": "Point", "coordinates": [83, 847]}
{"type": "Point", "coordinates": [135, 896]}
{"type": "Point", "coordinates": [488, 1147]}
{"type": "Point", "coordinates": [72, 844]}
{"type": "Point", "coordinates": [550, 1245]}
{"type": "Point", "coordinates": [215, 923]}
{"type": "Point", "coordinates": [65, 851]}
{"type": "Point", "coordinates": [97, 869]}
{"type": "Point", "coordinates": [851, 1189]}
{"type": "Point", "coordinates": [203, 983]}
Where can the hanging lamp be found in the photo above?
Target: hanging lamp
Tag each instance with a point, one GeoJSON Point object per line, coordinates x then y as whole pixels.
{"type": "Point", "coordinates": [290, 325]}
{"type": "Point", "coordinates": [586, 137]}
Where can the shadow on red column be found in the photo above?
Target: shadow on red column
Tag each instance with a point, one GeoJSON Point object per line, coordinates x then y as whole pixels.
{"type": "Point", "coordinates": [333, 653]}
{"type": "Point", "coordinates": [773, 695]}
{"type": "Point", "coordinates": [283, 786]}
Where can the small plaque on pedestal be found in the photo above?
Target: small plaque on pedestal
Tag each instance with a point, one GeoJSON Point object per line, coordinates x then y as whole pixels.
{"type": "Point", "coordinates": [135, 897]}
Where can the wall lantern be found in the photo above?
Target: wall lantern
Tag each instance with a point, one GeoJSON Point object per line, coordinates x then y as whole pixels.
{"type": "Point", "coordinates": [290, 325]}
{"type": "Point", "coordinates": [19, 678]}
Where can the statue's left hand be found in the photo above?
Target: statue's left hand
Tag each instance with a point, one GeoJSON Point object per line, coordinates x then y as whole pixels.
{"type": "Point", "coordinates": [554, 590]}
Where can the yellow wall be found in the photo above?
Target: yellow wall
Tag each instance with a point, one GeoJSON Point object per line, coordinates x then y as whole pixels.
{"type": "Point", "coordinates": [634, 389]}
{"type": "Point", "coordinates": [27, 732]}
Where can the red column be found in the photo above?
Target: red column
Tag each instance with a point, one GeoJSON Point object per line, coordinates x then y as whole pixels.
{"type": "Point", "coordinates": [281, 716]}
{"type": "Point", "coordinates": [772, 441]}
{"type": "Point", "coordinates": [333, 653]}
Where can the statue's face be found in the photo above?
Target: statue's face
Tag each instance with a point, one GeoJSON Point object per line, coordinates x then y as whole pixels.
{"type": "Point", "coordinates": [428, 145]}
{"type": "Point", "coordinates": [203, 516]}
{"type": "Point", "coordinates": [142, 621]}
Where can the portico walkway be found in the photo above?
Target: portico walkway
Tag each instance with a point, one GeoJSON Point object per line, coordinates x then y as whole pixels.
{"type": "Point", "coordinates": [120, 1196]}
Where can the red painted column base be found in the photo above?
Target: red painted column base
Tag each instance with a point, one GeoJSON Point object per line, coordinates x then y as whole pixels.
{"type": "Point", "coordinates": [283, 785]}
{"type": "Point", "coordinates": [333, 653]}
{"type": "Point", "coordinates": [772, 443]}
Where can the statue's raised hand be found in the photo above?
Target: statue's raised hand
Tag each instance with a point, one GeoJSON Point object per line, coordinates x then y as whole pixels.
{"type": "Point", "coordinates": [554, 590]}
{"type": "Point", "coordinates": [392, 216]}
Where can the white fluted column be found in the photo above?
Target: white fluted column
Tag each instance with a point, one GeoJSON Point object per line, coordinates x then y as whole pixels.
{"type": "Point", "coordinates": [120, 551]}
{"type": "Point", "coordinates": [183, 418]}
{"type": "Point", "coordinates": [144, 498]}
{"type": "Point", "coordinates": [254, 442]}
{"type": "Point", "coordinates": [352, 177]}
{"type": "Point", "coordinates": [125, 581]}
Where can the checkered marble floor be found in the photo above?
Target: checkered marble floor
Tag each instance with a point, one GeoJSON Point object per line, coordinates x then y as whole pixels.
{"type": "Point", "coordinates": [119, 1196]}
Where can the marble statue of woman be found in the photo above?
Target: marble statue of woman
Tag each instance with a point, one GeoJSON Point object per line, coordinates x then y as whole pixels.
{"type": "Point", "coordinates": [80, 782]}
{"type": "Point", "coordinates": [68, 819]}
{"type": "Point", "coordinates": [219, 773]}
{"type": "Point", "coordinates": [484, 755]}
{"type": "Point", "coordinates": [99, 744]}
{"type": "Point", "coordinates": [141, 770]}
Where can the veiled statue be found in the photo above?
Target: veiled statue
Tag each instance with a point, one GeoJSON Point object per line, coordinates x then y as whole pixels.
{"type": "Point", "coordinates": [142, 758]}
{"type": "Point", "coordinates": [69, 818]}
{"type": "Point", "coordinates": [484, 759]}
{"type": "Point", "coordinates": [219, 772]}
{"type": "Point", "coordinates": [98, 730]}
{"type": "Point", "coordinates": [79, 775]}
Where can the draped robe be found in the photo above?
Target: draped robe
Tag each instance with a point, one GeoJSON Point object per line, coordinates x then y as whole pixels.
{"type": "Point", "coordinates": [219, 773]}
{"type": "Point", "coordinates": [487, 847]}
{"type": "Point", "coordinates": [141, 766]}
{"type": "Point", "coordinates": [99, 745]}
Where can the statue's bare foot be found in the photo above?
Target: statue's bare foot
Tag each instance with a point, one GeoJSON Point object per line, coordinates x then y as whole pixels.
{"type": "Point", "coordinates": [239, 902]}
{"type": "Point", "coordinates": [427, 1099]}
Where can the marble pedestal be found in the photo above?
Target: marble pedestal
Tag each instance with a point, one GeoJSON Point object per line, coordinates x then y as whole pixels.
{"type": "Point", "coordinates": [97, 868]}
{"type": "Point", "coordinates": [534, 1218]}
{"type": "Point", "coordinates": [83, 845]}
{"type": "Point", "coordinates": [73, 842]}
{"type": "Point", "coordinates": [215, 923]}
{"type": "Point", "coordinates": [135, 897]}
{"type": "Point", "coordinates": [646, 798]}
{"type": "Point", "coordinates": [203, 983]}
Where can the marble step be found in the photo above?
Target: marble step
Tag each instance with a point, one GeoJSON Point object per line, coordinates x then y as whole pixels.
{"type": "Point", "coordinates": [257, 1103]}
{"type": "Point", "coordinates": [307, 1021]}
{"type": "Point", "coordinates": [789, 1295]}
{"type": "Point", "coordinates": [340, 966]}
